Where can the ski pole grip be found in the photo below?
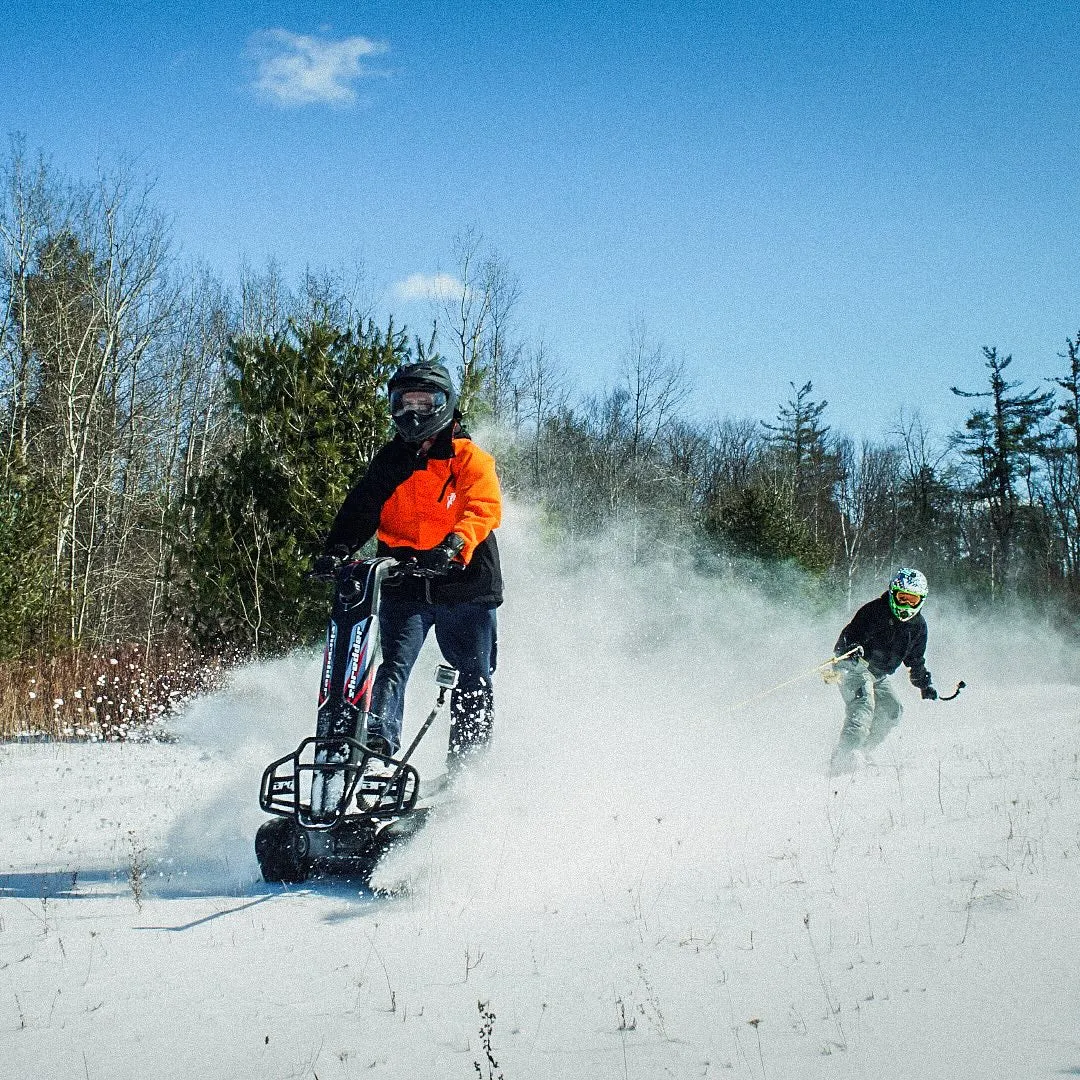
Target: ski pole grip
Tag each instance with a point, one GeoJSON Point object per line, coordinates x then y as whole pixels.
{"type": "Point", "coordinates": [854, 653]}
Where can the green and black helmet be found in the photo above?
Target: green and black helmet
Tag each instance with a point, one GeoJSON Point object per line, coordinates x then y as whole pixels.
{"type": "Point", "coordinates": [907, 591]}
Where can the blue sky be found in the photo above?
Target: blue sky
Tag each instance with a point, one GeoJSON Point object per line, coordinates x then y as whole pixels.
{"type": "Point", "coordinates": [858, 194]}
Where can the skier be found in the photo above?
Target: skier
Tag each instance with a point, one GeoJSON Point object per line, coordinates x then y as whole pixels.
{"type": "Point", "coordinates": [432, 498]}
{"type": "Point", "coordinates": [883, 634]}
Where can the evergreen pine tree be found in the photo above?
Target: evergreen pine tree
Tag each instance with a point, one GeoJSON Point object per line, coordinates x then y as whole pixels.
{"type": "Point", "coordinates": [308, 413]}
{"type": "Point", "coordinates": [1002, 443]}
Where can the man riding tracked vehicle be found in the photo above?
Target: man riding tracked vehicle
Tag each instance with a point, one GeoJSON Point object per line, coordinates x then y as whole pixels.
{"type": "Point", "coordinates": [432, 499]}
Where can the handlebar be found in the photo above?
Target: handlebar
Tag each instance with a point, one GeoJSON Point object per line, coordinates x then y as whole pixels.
{"type": "Point", "coordinates": [410, 568]}
{"type": "Point", "coordinates": [400, 568]}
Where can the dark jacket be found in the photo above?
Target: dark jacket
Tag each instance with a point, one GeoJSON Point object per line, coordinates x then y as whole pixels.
{"type": "Point", "coordinates": [887, 642]}
{"type": "Point", "coordinates": [412, 497]}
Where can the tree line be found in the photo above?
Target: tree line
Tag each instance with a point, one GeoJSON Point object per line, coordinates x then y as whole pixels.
{"type": "Point", "coordinates": [174, 451]}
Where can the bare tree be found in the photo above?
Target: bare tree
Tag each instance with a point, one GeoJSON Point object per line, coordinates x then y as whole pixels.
{"type": "Point", "coordinates": [655, 387]}
{"type": "Point", "coordinates": [30, 210]}
{"type": "Point", "coordinates": [190, 428]}
{"type": "Point", "coordinates": [476, 317]}
{"type": "Point", "coordinates": [502, 352]}
{"type": "Point", "coordinates": [265, 302]}
{"type": "Point", "coordinates": [466, 315]}
{"type": "Point", "coordinates": [112, 382]}
{"type": "Point", "coordinates": [866, 501]}
{"type": "Point", "coordinates": [87, 300]}
{"type": "Point", "coordinates": [627, 426]}
{"type": "Point", "coordinates": [925, 496]}
{"type": "Point", "coordinates": [336, 298]}
{"type": "Point", "coordinates": [736, 451]}
{"type": "Point", "coordinates": [540, 393]}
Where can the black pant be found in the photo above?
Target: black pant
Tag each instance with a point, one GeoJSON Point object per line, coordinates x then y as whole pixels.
{"type": "Point", "coordinates": [466, 634]}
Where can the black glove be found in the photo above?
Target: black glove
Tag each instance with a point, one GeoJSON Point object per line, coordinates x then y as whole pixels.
{"type": "Point", "coordinates": [928, 693]}
{"type": "Point", "coordinates": [329, 562]}
{"type": "Point", "coordinates": [437, 561]}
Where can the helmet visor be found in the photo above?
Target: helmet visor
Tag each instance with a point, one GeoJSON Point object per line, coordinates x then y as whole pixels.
{"type": "Point", "coordinates": [423, 402]}
{"type": "Point", "coordinates": [907, 599]}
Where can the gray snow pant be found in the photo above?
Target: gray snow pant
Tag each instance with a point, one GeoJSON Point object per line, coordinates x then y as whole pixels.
{"type": "Point", "coordinates": [871, 707]}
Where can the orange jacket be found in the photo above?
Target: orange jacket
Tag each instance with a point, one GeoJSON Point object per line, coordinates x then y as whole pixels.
{"type": "Point", "coordinates": [459, 494]}
{"type": "Point", "coordinates": [412, 497]}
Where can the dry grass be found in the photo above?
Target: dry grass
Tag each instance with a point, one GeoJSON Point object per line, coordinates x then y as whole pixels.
{"type": "Point", "coordinates": [114, 694]}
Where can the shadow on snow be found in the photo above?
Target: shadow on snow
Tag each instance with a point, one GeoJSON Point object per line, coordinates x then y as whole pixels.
{"type": "Point", "coordinates": [109, 882]}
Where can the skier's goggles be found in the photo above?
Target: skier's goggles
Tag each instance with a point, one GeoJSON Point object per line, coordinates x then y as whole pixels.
{"type": "Point", "coordinates": [423, 402]}
{"type": "Point", "coordinates": [908, 599]}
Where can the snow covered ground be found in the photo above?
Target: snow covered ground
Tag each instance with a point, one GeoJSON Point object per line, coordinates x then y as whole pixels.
{"type": "Point", "coordinates": [651, 875]}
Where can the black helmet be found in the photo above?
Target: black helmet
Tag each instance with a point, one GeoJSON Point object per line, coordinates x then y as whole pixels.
{"type": "Point", "coordinates": [418, 419]}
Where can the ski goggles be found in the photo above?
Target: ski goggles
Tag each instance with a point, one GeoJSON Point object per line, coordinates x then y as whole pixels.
{"type": "Point", "coordinates": [421, 402]}
{"type": "Point", "coordinates": [907, 599]}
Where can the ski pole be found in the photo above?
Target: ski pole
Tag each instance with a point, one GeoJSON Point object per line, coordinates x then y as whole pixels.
{"type": "Point", "coordinates": [833, 660]}
{"type": "Point", "coordinates": [403, 760]}
{"type": "Point", "coordinates": [855, 651]}
{"type": "Point", "coordinates": [948, 697]}
{"type": "Point", "coordinates": [446, 679]}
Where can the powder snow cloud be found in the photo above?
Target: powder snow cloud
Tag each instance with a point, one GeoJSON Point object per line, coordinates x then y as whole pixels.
{"type": "Point", "coordinates": [302, 69]}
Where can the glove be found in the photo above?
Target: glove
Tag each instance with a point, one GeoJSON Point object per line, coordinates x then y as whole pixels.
{"type": "Point", "coordinates": [928, 693]}
{"type": "Point", "coordinates": [437, 561]}
{"type": "Point", "coordinates": [850, 662]}
{"type": "Point", "coordinates": [327, 564]}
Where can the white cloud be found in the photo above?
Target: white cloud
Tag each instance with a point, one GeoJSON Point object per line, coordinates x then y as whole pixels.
{"type": "Point", "coordinates": [299, 69]}
{"type": "Point", "coordinates": [428, 287]}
